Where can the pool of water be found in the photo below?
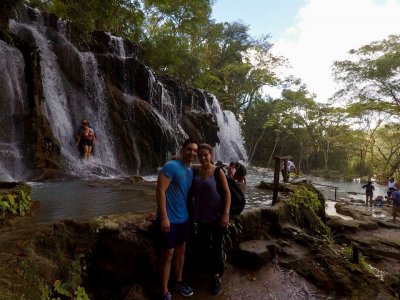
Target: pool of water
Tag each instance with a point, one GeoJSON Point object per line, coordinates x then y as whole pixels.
{"type": "Point", "coordinates": [78, 200]}
{"type": "Point", "coordinates": [81, 200]}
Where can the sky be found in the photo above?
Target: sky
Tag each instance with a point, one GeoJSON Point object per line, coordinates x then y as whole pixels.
{"type": "Point", "coordinates": [312, 34]}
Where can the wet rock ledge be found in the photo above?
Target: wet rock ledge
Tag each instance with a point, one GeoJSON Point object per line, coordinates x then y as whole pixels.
{"type": "Point", "coordinates": [115, 257]}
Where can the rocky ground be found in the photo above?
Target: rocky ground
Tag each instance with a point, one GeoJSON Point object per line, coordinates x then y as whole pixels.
{"type": "Point", "coordinates": [272, 255]}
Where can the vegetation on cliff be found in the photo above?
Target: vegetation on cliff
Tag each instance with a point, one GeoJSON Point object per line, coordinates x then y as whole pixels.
{"type": "Point", "coordinates": [15, 200]}
{"type": "Point", "coordinates": [180, 39]}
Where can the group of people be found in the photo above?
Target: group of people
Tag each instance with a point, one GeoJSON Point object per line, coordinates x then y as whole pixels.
{"type": "Point", "coordinates": [393, 196]}
{"type": "Point", "coordinates": [209, 216]}
{"type": "Point", "coordinates": [235, 170]}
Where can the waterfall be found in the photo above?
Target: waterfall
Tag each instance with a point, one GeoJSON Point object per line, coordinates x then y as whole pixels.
{"type": "Point", "coordinates": [61, 109]}
{"type": "Point", "coordinates": [165, 107]}
{"type": "Point", "coordinates": [231, 146]}
{"type": "Point", "coordinates": [117, 45]}
{"type": "Point", "coordinates": [96, 111]}
{"type": "Point", "coordinates": [139, 119]}
{"type": "Point", "coordinates": [13, 108]}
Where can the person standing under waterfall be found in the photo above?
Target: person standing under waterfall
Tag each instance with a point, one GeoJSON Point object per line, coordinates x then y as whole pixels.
{"type": "Point", "coordinates": [86, 139]}
{"type": "Point", "coordinates": [79, 141]}
{"type": "Point", "coordinates": [173, 184]}
{"type": "Point", "coordinates": [210, 214]}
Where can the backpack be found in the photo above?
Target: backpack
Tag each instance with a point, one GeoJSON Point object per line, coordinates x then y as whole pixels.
{"type": "Point", "coordinates": [238, 201]}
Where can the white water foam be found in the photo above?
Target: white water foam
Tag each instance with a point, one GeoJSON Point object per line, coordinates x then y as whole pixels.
{"type": "Point", "coordinates": [13, 108]}
{"type": "Point", "coordinates": [231, 143]}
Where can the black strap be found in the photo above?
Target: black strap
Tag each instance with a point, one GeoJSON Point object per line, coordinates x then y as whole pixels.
{"type": "Point", "coordinates": [218, 182]}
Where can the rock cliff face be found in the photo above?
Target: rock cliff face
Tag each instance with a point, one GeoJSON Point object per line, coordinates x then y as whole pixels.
{"type": "Point", "coordinates": [140, 118]}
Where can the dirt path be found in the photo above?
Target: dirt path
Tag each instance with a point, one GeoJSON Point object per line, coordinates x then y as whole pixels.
{"type": "Point", "coordinates": [271, 282]}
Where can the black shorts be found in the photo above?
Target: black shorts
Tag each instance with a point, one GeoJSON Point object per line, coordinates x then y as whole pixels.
{"type": "Point", "coordinates": [86, 142]}
{"type": "Point", "coordinates": [177, 235]}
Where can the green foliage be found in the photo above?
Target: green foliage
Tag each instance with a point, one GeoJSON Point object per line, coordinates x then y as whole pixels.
{"type": "Point", "coordinates": [370, 76]}
{"type": "Point", "coordinates": [304, 197]}
{"type": "Point", "coordinates": [14, 204]}
{"type": "Point", "coordinates": [233, 230]}
{"type": "Point", "coordinates": [348, 252]}
{"type": "Point", "coordinates": [80, 294]}
{"type": "Point", "coordinates": [121, 17]}
{"type": "Point", "coordinates": [303, 209]}
{"type": "Point", "coordinates": [180, 39]}
{"type": "Point", "coordinates": [60, 290]}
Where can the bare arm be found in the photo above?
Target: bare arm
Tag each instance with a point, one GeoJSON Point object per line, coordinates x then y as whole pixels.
{"type": "Point", "coordinates": [94, 135]}
{"type": "Point", "coordinates": [227, 198]}
{"type": "Point", "coordinates": [162, 185]}
{"type": "Point", "coordinates": [78, 139]}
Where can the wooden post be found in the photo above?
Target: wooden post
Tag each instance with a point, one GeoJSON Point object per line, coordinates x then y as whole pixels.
{"type": "Point", "coordinates": [276, 180]}
{"type": "Point", "coordinates": [272, 251]}
{"type": "Point", "coordinates": [335, 192]}
{"type": "Point", "coordinates": [356, 256]}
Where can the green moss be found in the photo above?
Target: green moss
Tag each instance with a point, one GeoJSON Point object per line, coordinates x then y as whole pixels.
{"type": "Point", "coordinates": [304, 197]}
{"type": "Point", "coordinates": [303, 208]}
{"type": "Point", "coordinates": [348, 252]}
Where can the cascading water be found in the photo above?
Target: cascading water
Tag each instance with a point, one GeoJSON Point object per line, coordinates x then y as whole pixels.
{"type": "Point", "coordinates": [97, 112]}
{"type": "Point", "coordinates": [165, 108]}
{"type": "Point", "coordinates": [13, 108]}
{"type": "Point", "coordinates": [139, 119]}
{"type": "Point", "coordinates": [60, 108]}
{"type": "Point", "coordinates": [231, 143]}
{"type": "Point", "coordinates": [117, 45]}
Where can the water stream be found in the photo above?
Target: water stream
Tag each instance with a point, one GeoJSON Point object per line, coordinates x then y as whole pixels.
{"type": "Point", "coordinates": [81, 200]}
{"type": "Point", "coordinates": [85, 85]}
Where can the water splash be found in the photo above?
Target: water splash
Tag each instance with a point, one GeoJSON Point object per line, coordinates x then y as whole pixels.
{"type": "Point", "coordinates": [116, 44]}
{"type": "Point", "coordinates": [63, 114]}
{"type": "Point", "coordinates": [231, 143]}
{"type": "Point", "coordinates": [13, 107]}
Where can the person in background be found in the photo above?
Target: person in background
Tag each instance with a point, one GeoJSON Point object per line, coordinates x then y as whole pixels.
{"type": "Point", "coordinates": [210, 214]}
{"type": "Point", "coordinates": [231, 169]}
{"type": "Point", "coordinates": [173, 184]}
{"type": "Point", "coordinates": [396, 204]}
{"type": "Point", "coordinates": [369, 193]}
{"type": "Point", "coordinates": [79, 142]}
{"type": "Point", "coordinates": [221, 165]}
{"type": "Point", "coordinates": [391, 187]}
{"type": "Point", "coordinates": [379, 201]}
{"type": "Point", "coordinates": [290, 166]}
{"type": "Point", "coordinates": [86, 139]}
{"type": "Point", "coordinates": [240, 173]}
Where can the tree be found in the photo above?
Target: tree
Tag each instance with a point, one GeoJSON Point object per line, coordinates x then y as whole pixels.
{"type": "Point", "coordinates": [121, 17]}
{"type": "Point", "coordinates": [371, 75]}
